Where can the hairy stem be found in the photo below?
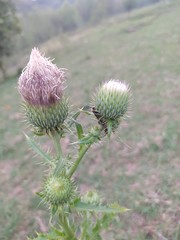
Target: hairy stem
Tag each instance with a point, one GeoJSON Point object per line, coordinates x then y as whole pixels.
{"type": "Point", "coordinates": [78, 160]}
{"type": "Point", "coordinates": [84, 228]}
{"type": "Point", "coordinates": [57, 145]}
{"type": "Point", "coordinates": [59, 156]}
{"type": "Point", "coordinates": [65, 225]}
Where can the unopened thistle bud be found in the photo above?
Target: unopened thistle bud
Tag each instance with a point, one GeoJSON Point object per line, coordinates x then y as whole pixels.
{"type": "Point", "coordinates": [92, 197]}
{"type": "Point", "coordinates": [110, 104]}
{"type": "Point", "coordinates": [57, 190]}
{"type": "Point", "coordinates": [41, 87]}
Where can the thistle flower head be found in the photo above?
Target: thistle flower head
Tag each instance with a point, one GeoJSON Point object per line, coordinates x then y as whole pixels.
{"type": "Point", "coordinates": [111, 103]}
{"type": "Point", "coordinates": [112, 99]}
{"type": "Point", "coordinates": [41, 87]}
{"type": "Point", "coordinates": [41, 82]}
{"type": "Point", "coordinates": [57, 190]}
{"type": "Point", "coordinates": [115, 86]}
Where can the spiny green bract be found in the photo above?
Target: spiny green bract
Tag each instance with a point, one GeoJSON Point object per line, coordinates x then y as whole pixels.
{"type": "Point", "coordinates": [110, 105]}
{"type": "Point", "coordinates": [57, 190]}
{"type": "Point", "coordinates": [47, 117]}
{"type": "Point", "coordinates": [112, 100]}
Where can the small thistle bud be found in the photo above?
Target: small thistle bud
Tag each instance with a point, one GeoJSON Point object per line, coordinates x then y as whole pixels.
{"type": "Point", "coordinates": [41, 87]}
{"type": "Point", "coordinates": [92, 197]}
{"type": "Point", "coordinates": [57, 190]}
{"type": "Point", "coordinates": [110, 104]}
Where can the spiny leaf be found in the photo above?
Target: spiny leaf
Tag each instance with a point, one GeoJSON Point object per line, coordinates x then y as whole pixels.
{"type": "Point", "coordinates": [84, 109]}
{"type": "Point", "coordinates": [118, 207]}
{"type": "Point", "coordinates": [54, 234]}
{"type": "Point", "coordinates": [113, 208]}
{"type": "Point", "coordinates": [86, 140]}
{"type": "Point", "coordinates": [38, 150]}
{"type": "Point", "coordinates": [79, 130]}
{"type": "Point", "coordinates": [73, 119]}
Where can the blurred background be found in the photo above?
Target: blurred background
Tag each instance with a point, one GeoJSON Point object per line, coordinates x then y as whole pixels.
{"type": "Point", "coordinates": [137, 41]}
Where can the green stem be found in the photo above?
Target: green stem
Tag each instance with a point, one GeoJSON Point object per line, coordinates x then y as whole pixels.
{"type": "Point", "coordinates": [84, 229]}
{"type": "Point", "coordinates": [57, 145]}
{"type": "Point", "coordinates": [81, 155]}
{"type": "Point", "coordinates": [59, 156]}
{"type": "Point", "coordinates": [68, 231]}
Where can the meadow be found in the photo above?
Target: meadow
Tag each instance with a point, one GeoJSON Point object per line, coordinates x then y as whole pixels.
{"type": "Point", "coordinates": [139, 168]}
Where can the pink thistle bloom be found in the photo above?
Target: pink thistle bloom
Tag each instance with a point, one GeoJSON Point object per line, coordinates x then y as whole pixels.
{"type": "Point", "coordinates": [41, 82]}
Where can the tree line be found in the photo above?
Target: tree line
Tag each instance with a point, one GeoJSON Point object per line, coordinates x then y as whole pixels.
{"type": "Point", "coordinates": [9, 28]}
{"type": "Point", "coordinates": [40, 25]}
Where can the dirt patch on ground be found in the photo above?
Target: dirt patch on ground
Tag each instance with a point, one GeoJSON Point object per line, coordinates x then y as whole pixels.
{"type": "Point", "coordinates": [6, 168]}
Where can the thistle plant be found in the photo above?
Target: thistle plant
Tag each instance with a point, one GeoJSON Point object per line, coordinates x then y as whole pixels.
{"type": "Point", "coordinates": [73, 216]}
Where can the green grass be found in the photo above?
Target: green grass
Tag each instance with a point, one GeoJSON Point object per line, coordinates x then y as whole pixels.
{"type": "Point", "coordinates": [139, 168]}
{"type": "Point", "coordinates": [9, 219]}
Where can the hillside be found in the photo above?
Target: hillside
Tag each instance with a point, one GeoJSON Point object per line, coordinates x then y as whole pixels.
{"type": "Point", "coordinates": [139, 169]}
{"type": "Point", "coordinates": [66, 16]}
{"type": "Point", "coordinates": [23, 5]}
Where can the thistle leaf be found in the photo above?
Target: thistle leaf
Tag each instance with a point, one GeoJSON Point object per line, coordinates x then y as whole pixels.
{"type": "Point", "coordinates": [113, 208]}
{"type": "Point", "coordinates": [72, 120]}
{"type": "Point", "coordinates": [54, 234]}
{"type": "Point", "coordinates": [79, 130]}
{"type": "Point", "coordinates": [85, 109]}
{"type": "Point", "coordinates": [87, 140]}
{"type": "Point", "coordinates": [38, 150]}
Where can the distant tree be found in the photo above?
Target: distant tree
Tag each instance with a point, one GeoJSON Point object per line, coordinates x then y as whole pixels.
{"type": "Point", "coordinates": [9, 27]}
{"type": "Point", "coordinates": [68, 17]}
{"type": "Point", "coordinates": [85, 9]}
{"type": "Point", "coordinates": [117, 6]}
{"type": "Point", "coordinates": [141, 3]}
{"type": "Point", "coordinates": [101, 10]}
{"type": "Point", "coordinates": [129, 5]}
{"type": "Point", "coordinates": [156, 1]}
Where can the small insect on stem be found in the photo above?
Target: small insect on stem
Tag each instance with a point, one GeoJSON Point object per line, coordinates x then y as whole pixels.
{"type": "Point", "coordinates": [102, 122]}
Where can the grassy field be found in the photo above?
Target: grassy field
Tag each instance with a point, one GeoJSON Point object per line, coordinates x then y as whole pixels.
{"type": "Point", "coordinates": [139, 168]}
